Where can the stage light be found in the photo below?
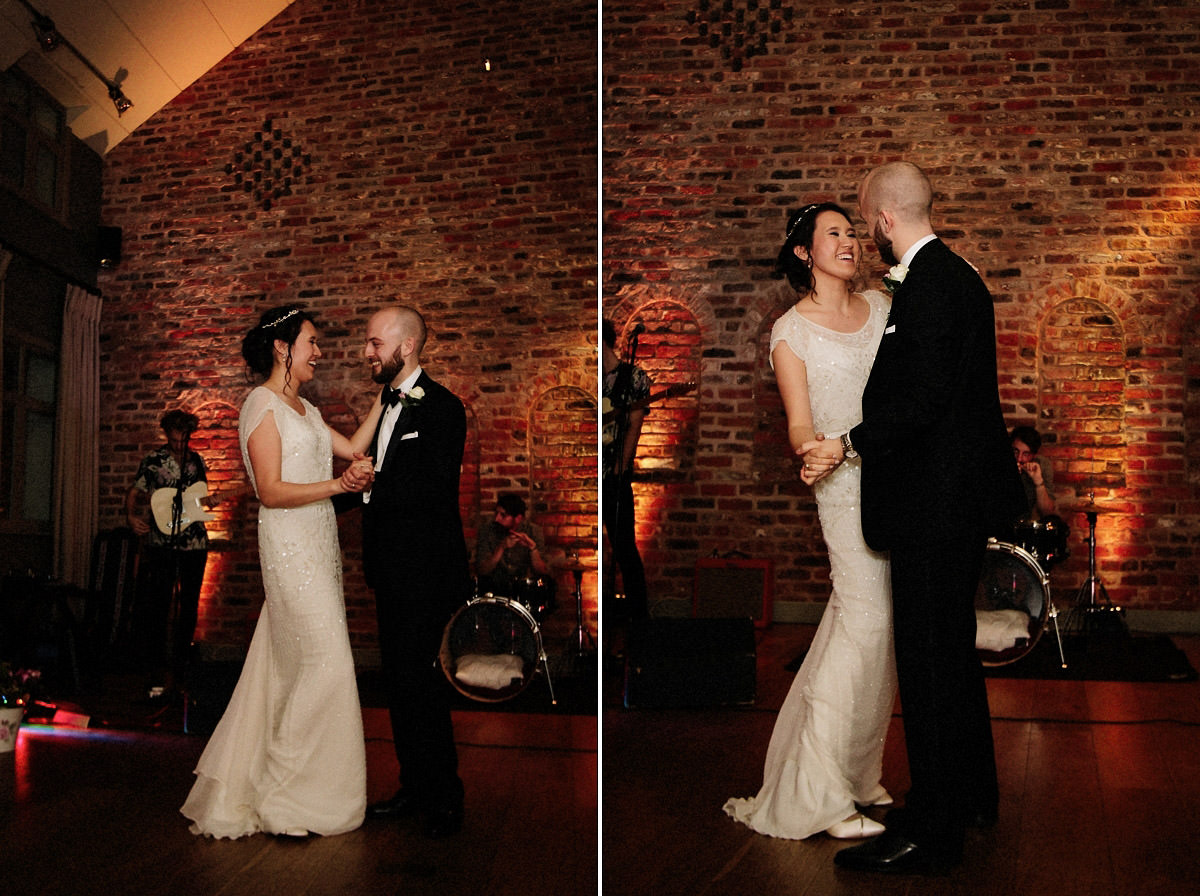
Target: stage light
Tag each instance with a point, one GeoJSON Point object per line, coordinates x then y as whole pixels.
{"type": "Point", "coordinates": [49, 39]}
{"type": "Point", "coordinates": [120, 100]}
{"type": "Point", "coordinates": [47, 35]}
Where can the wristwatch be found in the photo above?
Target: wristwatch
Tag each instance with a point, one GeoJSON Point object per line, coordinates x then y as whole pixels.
{"type": "Point", "coordinates": [847, 448]}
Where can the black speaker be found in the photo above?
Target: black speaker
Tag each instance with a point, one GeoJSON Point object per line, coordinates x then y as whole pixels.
{"type": "Point", "coordinates": [677, 663]}
{"type": "Point", "coordinates": [108, 246]}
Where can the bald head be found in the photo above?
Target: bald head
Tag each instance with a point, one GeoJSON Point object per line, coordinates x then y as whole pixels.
{"type": "Point", "coordinates": [900, 188]}
{"type": "Point", "coordinates": [395, 338]}
{"type": "Point", "coordinates": [895, 200]}
{"type": "Point", "coordinates": [402, 322]}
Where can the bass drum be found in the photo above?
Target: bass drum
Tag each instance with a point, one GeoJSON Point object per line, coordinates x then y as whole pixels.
{"type": "Point", "coordinates": [1011, 604]}
{"type": "Point", "coordinates": [491, 649]}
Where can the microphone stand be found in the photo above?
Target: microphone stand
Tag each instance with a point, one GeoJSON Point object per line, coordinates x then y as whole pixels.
{"type": "Point", "coordinates": [174, 541]}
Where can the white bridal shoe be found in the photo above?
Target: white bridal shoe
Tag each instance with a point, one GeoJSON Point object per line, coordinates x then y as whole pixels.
{"type": "Point", "coordinates": [856, 827]}
{"type": "Point", "coordinates": [880, 798]}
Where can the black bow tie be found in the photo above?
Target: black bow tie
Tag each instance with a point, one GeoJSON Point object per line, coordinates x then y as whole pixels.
{"type": "Point", "coordinates": [391, 396]}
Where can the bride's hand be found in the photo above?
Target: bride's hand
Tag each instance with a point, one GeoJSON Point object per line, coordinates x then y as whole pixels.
{"type": "Point", "coordinates": [359, 475]}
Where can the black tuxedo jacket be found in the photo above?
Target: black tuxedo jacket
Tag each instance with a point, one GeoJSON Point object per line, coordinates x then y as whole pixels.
{"type": "Point", "coordinates": [936, 458]}
{"type": "Point", "coordinates": [412, 530]}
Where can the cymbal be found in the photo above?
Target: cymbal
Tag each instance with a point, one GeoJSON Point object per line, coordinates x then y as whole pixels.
{"type": "Point", "coordinates": [1092, 508]}
{"type": "Point", "coordinates": [578, 565]}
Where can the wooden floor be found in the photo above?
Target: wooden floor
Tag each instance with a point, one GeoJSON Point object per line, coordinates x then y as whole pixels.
{"type": "Point", "coordinates": [1100, 794]}
{"type": "Point", "coordinates": [97, 811]}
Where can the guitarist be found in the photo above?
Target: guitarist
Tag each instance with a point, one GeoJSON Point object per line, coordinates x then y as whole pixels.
{"type": "Point", "coordinates": [624, 385]}
{"type": "Point", "coordinates": [171, 565]}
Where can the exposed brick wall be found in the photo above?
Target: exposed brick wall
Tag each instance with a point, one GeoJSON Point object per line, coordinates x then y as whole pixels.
{"type": "Point", "coordinates": [1063, 140]}
{"type": "Point", "coordinates": [399, 168]}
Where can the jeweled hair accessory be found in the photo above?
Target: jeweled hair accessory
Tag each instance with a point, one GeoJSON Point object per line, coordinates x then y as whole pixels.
{"type": "Point", "coordinates": [280, 320]}
{"type": "Point", "coordinates": [800, 217]}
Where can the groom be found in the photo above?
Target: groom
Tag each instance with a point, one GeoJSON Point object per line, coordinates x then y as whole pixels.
{"type": "Point", "coordinates": [937, 480]}
{"type": "Point", "coordinates": [415, 560]}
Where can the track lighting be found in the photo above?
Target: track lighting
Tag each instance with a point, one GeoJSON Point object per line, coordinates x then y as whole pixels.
{"type": "Point", "coordinates": [49, 38]}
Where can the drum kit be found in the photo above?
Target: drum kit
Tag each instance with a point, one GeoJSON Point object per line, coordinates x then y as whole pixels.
{"type": "Point", "coordinates": [1013, 605]}
{"type": "Point", "coordinates": [492, 647]}
{"type": "Point", "coordinates": [1012, 601]}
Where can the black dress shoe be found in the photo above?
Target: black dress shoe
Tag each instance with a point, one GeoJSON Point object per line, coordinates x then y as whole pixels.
{"type": "Point", "coordinates": [889, 852]}
{"type": "Point", "coordinates": [444, 822]}
{"type": "Point", "coordinates": [402, 805]}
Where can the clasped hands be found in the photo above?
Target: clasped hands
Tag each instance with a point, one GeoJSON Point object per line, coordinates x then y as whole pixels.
{"type": "Point", "coordinates": [514, 538]}
{"type": "Point", "coordinates": [821, 457]}
{"type": "Point", "coordinates": [360, 474]}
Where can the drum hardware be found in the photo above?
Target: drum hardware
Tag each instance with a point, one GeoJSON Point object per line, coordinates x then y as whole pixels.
{"type": "Point", "coordinates": [1047, 539]}
{"type": "Point", "coordinates": [492, 649]}
{"type": "Point", "coordinates": [537, 593]}
{"type": "Point", "coordinates": [581, 636]}
{"type": "Point", "coordinates": [1093, 608]}
{"type": "Point", "coordinates": [1012, 605]}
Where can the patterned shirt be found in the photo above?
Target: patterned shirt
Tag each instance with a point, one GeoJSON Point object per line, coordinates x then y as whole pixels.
{"type": "Point", "coordinates": [624, 386]}
{"type": "Point", "coordinates": [159, 469]}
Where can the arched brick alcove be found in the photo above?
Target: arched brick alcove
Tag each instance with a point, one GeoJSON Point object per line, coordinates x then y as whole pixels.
{"type": "Point", "coordinates": [1081, 389]}
{"type": "Point", "coordinates": [563, 463]}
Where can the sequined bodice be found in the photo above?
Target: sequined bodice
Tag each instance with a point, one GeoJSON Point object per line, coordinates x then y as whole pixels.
{"type": "Point", "coordinates": [295, 544]}
{"type": "Point", "coordinates": [305, 439]}
{"type": "Point", "coordinates": [837, 366]}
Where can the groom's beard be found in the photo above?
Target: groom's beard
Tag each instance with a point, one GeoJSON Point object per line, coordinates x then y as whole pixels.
{"type": "Point", "coordinates": [884, 245]}
{"type": "Point", "coordinates": [389, 369]}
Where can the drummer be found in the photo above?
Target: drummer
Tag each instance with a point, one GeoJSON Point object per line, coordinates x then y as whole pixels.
{"type": "Point", "coordinates": [1035, 473]}
{"type": "Point", "coordinates": [509, 551]}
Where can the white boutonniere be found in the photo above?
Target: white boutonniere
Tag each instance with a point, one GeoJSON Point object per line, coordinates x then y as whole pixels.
{"type": "Point", "coordinates": [412, 397]}
{"type": "Point", "coordinates": [894, 277]}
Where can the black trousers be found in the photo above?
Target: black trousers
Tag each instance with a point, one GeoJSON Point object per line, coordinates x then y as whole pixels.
{"type": "Point", "coordinates": [165, 615]}
{"type": "Point", "coordinates": [411, 621]}
{"type": "Point", "coordinates": [622, 539]}
{"type": "Point", "coordinates": [943, 695]}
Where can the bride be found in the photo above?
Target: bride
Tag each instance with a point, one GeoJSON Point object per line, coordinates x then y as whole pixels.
{"type": "Point", "coordinates": [288, 755]}
{"type": "Point", "coordinates": [825, 756]}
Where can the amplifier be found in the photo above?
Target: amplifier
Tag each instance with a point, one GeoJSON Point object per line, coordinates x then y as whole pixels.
{"type": "Point", "coordinates": [728, 588]}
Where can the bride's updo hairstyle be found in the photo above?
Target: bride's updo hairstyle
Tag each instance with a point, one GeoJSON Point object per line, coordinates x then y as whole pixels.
{"type": "Point", "coordinates": [258, 346]}
{"type": "Point", "coordinates": [801, 225]}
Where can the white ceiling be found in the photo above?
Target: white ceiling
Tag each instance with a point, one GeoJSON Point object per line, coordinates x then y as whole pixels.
{"type": "Point", "coordinates": [153, 49]}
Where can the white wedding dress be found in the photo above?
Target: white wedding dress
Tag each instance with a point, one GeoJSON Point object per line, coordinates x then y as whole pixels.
{"type": "Point", "coordinates": [288, 754]}
{"type": "Point", "coordinates": [826, 752]}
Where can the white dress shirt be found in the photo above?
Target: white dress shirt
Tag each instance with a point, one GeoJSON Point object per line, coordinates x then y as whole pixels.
{"type": "Point", "coordinates": [387, 425]}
